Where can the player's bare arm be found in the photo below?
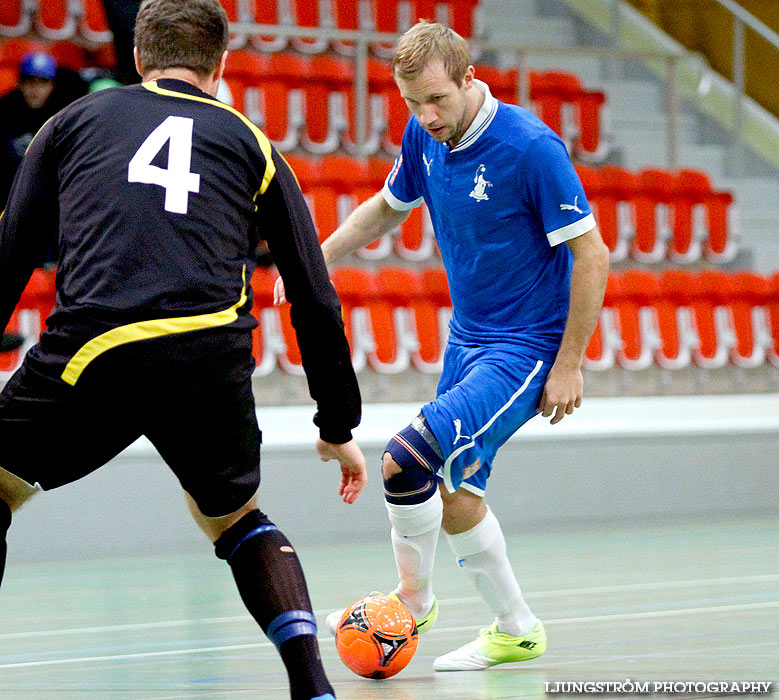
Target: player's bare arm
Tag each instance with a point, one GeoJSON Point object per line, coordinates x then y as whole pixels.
{"type": "Point", "coordinates": [353, 473]}
{"type": "Point", "coordinates": [564, 387]}
{"type": "Point", "coordinates": [368, 222]}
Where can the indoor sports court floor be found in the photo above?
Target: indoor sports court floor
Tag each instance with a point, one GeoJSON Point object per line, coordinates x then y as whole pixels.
{"type": "Point", "coordinates": [652, 601]}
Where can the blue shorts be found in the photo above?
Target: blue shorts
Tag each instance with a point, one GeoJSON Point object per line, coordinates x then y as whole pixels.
{"type": "Point", "coordinates": [485, 394]}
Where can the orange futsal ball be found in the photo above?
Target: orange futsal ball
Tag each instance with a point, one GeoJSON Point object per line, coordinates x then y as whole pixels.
{"type": "Point", "coordinates": [376, 637]}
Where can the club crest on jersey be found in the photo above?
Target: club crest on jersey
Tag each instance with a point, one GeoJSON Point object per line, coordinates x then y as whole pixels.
{"type": "Point", "coordinates": [479, 191]}
{"type": "Point", "coordinates": [395, 169]}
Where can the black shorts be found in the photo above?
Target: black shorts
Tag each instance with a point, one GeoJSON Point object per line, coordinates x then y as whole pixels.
{"type": "Point", "coordinates": [190, 394]}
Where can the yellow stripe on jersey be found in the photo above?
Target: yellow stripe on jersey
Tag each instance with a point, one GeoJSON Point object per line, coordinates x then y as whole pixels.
{"type": "Point", "coordinates": [144, 330]}
{"type": "Point", "coordinates": [265, 147]}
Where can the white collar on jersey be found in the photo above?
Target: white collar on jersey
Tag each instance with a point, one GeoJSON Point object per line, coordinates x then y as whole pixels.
{"type": "Point", "coordinates": [481, 121]}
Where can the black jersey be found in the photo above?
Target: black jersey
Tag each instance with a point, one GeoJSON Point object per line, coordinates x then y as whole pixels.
{"type": "Point", "coordinates": [155, 196]}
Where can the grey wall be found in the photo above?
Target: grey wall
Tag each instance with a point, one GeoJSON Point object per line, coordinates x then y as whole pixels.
{"type": "Point", "coordinates": [618, 459]}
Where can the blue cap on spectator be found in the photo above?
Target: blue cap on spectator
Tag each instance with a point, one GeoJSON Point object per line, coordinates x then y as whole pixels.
{"type": "Point", "coordinates": [38, 65]}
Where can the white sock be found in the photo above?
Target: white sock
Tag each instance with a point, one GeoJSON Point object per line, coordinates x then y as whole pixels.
{"type": "Point", "coordinates": [481, 554]}
{"type": "Point", "coordinates": [415, 531]}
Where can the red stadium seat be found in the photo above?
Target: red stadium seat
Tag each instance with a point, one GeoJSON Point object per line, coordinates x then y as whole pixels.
{"type": "Point", "coordinates": [416, 241]}
{"type": "Point", "coordinates": [404, 289]}
{"type": "Point", "coordinates": [269, 90]}
{"type": "Point", "coordinates": [590, 144]}
{"type": "Point", "coordinates": [713, 320]}
{"type": "Point", "coordinates": [346, 15]}
{"type": "Point", "coordinates": [379, 81]}
{"type": "Point", "coordinates": [15, 19]}
{"type": "Point", "coordinates": [701, 220]}
{"type": "Point", "coordinates": [329, 80]}
{"type": "Point", "coordinates": [272, 12]}
{"type": "Point", "coordinates": [504, 84]}
{"type": "Point", "coordinates": [653, 202]}
{"type": "Point", "coordinates": [356, 289]}
{"type": "Point", "coordinates": [691, 195]}
{"type": "Point", "coordinates": [8, 79]}
{"type": "Point", "coordinates": [12, 51]}
{"type": "Point", "coordinates": [394, 110]}
{"type": "Point", "coordinates": [391, 319]}
{"type": "Point", "coordinates": [29, 318]}
{"type": "Point", "coordinates": [244, 70]}
{"type": "Point", "coordinates": [394, 16]}
{"type": "Point", "coordinates": [311, 13]}
{"type": "Point", "coordinates": [56, 19]}
{"type": "Point", "coordinates": [236, 13]}
{"type": "Point", "coordinates": [268, 343]}
{"type": "Point", "coordinates": [432, 318]}
{"type": "Point", "coordinates": [616, 213]}
{"type": "Point", "coordinates": [354, 180]}
{"type": "Point", "coordinates": [94, 25]}
{"type": "Point", "coordinates": [676, 323]}
{"type": "Point", "coordinates": [550, 91]}
{"type": "Point", "coordinates": [773, 317]}
{"type": "Point", "coordinates": [320, 192]}
{"type": "Point", "coordinates": [605, 342]}
{"type": "Point", "coordinates": [749, 315]}
{"type": "Point", "coordinates": [69, 55]}
{"type": "Point", "coordinates": [638, 290]}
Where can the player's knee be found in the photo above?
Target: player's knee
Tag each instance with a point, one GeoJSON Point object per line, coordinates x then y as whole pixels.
{"type": "Point", "coordinates": [389, 467]}
{"type": "Point", "coordinates": [409, 477]}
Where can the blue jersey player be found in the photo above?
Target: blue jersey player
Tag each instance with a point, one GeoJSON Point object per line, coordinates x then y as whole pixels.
{"type": "Point", "coordinates": [527, 271]}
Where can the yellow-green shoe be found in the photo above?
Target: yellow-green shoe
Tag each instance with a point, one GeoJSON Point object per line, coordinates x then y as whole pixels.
{"type": "Point", "coordinates": [423, 623]}
{"type": "Point", "coordinates": [491, 648]}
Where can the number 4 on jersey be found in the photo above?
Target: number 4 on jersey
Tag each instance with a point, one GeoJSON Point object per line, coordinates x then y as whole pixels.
{"type": "Point", "coordinates": [177, 180]}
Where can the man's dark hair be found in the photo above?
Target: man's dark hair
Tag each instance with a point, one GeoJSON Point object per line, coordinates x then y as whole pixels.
{"type": "Point", "coordinates": [189, 34]}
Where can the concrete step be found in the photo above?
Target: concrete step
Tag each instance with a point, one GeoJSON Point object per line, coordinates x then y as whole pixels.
{"type": "Point", "coordinates": [651, 127]}
{"type": "Point", "coordinates": [634, 97]}
{"type": "Point", "coordinates": [638, 154]}
{"type": "Point", "coordinates": [530, 31]}
{"type": "Point", "coordinates": [493, 11]}
{"type": "Point", "coordinates": [756, 194]}
{"type": "Point", "coordinates": [588, 68]}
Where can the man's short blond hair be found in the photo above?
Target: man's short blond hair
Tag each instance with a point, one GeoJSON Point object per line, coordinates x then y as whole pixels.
{"type": "Point", "coordinates": [426, 42]}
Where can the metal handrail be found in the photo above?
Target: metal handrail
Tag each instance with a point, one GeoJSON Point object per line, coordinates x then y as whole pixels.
{"type": "Point", "coordinates": [750, 21]}
{"type": "Point", "coordinates": [742, 18]}
{"type": "Point", "coordinates": [362, 40]}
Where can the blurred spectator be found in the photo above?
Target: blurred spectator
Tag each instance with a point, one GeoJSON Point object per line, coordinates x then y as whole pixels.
{"type": "Point", "coordinates": [23, 111]}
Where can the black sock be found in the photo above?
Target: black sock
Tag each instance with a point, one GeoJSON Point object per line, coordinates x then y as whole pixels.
{"type": "Point", "coordinates": [5, 523]}
{"type": "Point", "coordinates": [273, 588]}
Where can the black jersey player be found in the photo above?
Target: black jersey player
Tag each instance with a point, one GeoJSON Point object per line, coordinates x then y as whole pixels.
{"type": "Point", "coordinates": [156, 196]}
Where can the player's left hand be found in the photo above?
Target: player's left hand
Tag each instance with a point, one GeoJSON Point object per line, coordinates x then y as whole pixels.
{"type": "Point", "coordinates": [353, 473]}
{"type": "Point", "coordinates": [563, 392]}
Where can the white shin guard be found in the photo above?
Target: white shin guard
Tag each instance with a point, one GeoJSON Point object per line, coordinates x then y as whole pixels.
{"type": "Point", "coordinates": [481, 554]}
{"type": "Point", "coordinates": [415, 530]}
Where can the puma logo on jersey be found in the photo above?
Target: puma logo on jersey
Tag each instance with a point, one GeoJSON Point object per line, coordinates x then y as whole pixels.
{"type": "Point", "coordinates": [427, 162]}
{"type": "Point", "coordinates": [459, 436]}
{"type": "Point", "coordinates": [572, 207]}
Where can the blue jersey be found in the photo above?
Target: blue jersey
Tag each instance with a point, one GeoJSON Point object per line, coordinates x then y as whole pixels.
{"type": "Point", "coordinates": [501, 202]}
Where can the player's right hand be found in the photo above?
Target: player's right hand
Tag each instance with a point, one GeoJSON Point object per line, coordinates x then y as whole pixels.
{"type": "Point", "coordinates": [353, 473]}
{"type": "Point", "coordinates": [279, 294]}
